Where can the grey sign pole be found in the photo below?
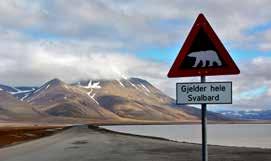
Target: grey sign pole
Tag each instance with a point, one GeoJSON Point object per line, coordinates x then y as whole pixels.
{"type": "Point", "coordinates": [204, 126]}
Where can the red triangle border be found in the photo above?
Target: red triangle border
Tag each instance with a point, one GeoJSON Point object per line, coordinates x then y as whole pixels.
{"type": "Point", "coordinates": [230, 68]}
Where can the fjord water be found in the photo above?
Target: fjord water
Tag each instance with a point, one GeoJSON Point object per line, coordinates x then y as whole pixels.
{"type": "Point", "coordinates": [241, 135]}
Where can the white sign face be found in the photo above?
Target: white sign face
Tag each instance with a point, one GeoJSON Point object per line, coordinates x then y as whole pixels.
{"type": "Point", "coordinates": [208, 92]}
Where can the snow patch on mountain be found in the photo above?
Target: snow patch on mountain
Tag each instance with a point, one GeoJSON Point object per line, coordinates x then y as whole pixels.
{"type": "Point", "coordinates": [123, 77]}
{"type": "Point", "coordinates": [19, 92]}
{"type": "Point", "coordinates": [47, 86]}
{"type": "Point", "coordinates": [250, 114]}
{"type": "Point", "coordinates": [92, 96]}
{"type": "Point", "coordinates": [91, 85]}
{"type": "Point", "coordinates": [36, 91]}
{"type": "Point", "coordinates": [133, 84]}
{"type": "Point", "coordinates": [65, 86]}
{"type": "Point", "coordinates": [16, 91]}
{"type": "Point", "coordinates": [43, 87]}
{"type": "Point", "coordinates": [95, 85]}
{"type": "Point", "coordinates": [146, 89]}
{"type": "Point", "coordinates": [127, 79]}
{"type": "Point", "coordinates": [233, 113]}
{"type": "Point", "coordinates": [121, 84]}
{"type": "Point", "coordinates": [25, 96]}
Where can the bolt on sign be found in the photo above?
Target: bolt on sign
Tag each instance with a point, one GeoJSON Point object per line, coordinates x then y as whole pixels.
{"type": "Point", "coordinates": [203, 54]}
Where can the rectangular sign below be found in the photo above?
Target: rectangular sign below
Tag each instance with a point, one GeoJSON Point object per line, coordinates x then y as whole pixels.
{"type": "Point", "coordinates": [204, 93]}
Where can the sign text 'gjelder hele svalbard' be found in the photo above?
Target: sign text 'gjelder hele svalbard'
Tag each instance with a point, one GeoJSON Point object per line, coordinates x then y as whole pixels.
{"type": "Point", "coordinates": [209, 92]}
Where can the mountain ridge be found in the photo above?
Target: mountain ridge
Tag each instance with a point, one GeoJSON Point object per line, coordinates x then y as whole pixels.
{"type": "Point", "coordinates": [115, 100]}
{"type": "Point", "coordinates": [247, 114]}
{"type": "Point", "coordinates": [11, 107]}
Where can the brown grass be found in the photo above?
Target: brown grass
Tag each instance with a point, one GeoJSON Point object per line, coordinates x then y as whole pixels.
{"type": "Point", "coordinates": [15, 135]}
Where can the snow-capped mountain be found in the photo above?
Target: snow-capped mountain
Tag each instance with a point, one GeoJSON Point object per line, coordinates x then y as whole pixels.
{"type": "Point", "coordinates": [256, 114]}
{"type": "Point", "coordinates": [57, 98]}
{"type": "Point", "coordinates": [106, 99]}
{"type": "Point", "coordinates": [19, 92]}
{"type": "Point", "coordinates": [112, 100]}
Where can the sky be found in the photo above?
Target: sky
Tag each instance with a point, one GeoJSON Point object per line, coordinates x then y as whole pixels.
{"type": "Point", "coordinates": [110, 39]}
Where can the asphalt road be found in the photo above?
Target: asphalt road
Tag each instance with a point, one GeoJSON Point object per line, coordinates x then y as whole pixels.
{"type": "Point", "coordinates": [84, 144]}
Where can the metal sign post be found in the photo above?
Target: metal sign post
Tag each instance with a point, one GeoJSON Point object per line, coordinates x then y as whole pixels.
{"type": "Point", "coordinates": [204, 126]}
{"type": "Point", "coordinates": [203, 54]}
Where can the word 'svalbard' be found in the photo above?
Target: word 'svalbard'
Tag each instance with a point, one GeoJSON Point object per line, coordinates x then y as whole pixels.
{"type": "Point", "coordinates": [209, 92]}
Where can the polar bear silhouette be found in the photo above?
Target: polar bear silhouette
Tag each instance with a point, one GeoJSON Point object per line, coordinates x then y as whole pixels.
{"type": "Point", "coordinates": [204, 56]}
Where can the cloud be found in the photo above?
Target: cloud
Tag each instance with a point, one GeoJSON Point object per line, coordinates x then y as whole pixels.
{"type": "Point", "coordinates": [136, 23]}
{"type": "Point", "coordinates": [25, 61]}
{"type": "Point", "coordinates": [28, 62]}
{"type": "Point", "coordinates": [20, 14]}
{"type": "Point", "coordinates": [80, 39]}
{"type": "Point", "coordinates": [265, 44]}
{"type": "Point", "coordinates": [251, 89]}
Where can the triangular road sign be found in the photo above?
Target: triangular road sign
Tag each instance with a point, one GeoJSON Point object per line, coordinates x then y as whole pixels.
{"type": "Point", "coordinates": [202, 54]}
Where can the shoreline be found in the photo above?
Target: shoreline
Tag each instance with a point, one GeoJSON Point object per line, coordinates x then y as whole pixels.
{"type": "Point", "coordinates": [75, 142]}
{"type": "Point", "coordinates": [165, 139]}
{"type": "Point", "coordinates": [183, 123]}
{"type": "Point", "coordinates": [53, 130]}
{"type": "Point", "coordinates": [16, 133]}
{"type": "Point", "coordinates": [9, 125]}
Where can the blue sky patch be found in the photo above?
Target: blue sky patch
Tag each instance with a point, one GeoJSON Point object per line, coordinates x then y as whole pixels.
{"type": "Point", "coordinates": [256, 92]}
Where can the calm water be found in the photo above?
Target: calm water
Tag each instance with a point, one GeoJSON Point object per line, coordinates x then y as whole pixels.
{"type": "Point", "coordinates": [246, 135]}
